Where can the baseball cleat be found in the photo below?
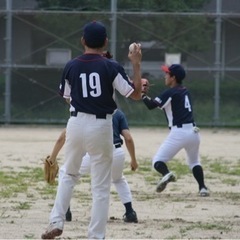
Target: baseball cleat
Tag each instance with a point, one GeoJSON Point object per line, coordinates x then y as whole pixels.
{"type": "Point", "coordinates": [204, 192]}
{"type": "Point", "coordinates": [164, 181]}
{"type": "Point", "coordinates": [54, 229]}
{"type": "Point", "coordinates": [130, 217]}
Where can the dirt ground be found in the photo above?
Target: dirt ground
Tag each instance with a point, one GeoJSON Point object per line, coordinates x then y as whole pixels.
{"type": "Point", "coordinates": [176, 213]}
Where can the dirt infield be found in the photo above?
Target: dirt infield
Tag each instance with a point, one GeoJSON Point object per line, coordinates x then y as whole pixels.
{"type": "Point", "coordinates": [176, 213]}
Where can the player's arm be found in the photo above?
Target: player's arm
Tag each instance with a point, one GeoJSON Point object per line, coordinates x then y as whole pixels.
{"type": "Point", "coordinates": [60, 141]}
{"type": "Point", "coordinates": [58, 145]}
{"type": "Point", "coordinates": [149, 102]}
{"type": "Point", "coordinates": [135, 58]}
{"type": "Point", "coordinates": [130, 147]}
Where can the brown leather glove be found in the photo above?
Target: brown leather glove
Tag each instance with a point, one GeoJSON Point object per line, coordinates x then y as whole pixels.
{"type": "Point", "coordinates": [50, 170]}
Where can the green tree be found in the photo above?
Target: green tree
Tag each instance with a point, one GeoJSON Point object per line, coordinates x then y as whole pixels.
{"type": "Point", "coordinates": [176, 33]}
{"type": "Point", "coordinates": [123, 5]}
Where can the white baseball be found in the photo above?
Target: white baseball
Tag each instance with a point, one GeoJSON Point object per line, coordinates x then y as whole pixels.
{"type": "Point", "coordinates": [132, 46]}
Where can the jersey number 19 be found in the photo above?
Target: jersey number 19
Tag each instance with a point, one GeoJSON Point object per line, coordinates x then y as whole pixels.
{"type": "Point", "coordinates": [94, 83]}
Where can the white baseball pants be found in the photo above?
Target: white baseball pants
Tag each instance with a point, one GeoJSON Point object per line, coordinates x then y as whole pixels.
{"type": "Point", "coordinates": [180, 138]}
{"type": "Point", "coordinates": [118, 179]}
{"type": "Point", "coordinates": [84, 134]}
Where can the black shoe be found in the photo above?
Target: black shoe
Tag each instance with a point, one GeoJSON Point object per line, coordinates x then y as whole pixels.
{"type": "Point", "coordinates": [130, 217]}
{"type": "Point", "coordinates": [68, 215]}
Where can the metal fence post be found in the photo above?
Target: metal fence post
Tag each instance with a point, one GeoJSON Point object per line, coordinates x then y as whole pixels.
{"type": "Point", "coordinates": [8, 70]}
{"type": "Point", "coordinates": [217, 62]}
{"type": "Point", "coordinates": [113, 27]}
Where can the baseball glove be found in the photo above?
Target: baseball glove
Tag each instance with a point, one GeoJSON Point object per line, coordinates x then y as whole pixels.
{"type": "Point", "coordinates": [50, 170]}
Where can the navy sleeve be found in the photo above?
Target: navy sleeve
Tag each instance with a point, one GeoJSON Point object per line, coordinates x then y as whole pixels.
{"type": "Point", "coordinates": [150, 103]}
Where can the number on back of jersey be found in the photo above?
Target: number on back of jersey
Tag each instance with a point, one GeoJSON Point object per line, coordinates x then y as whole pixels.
{"type": "Point", "coordinates": [187, 103]}
{"type": "Point", "coordinates": [94, 84]}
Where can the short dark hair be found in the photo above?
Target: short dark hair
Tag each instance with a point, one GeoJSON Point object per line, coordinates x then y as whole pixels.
{"type": "Point", "coordinates": [178, 80]}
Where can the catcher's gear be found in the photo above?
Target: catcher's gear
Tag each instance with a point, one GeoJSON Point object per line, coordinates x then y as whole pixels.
{"type": "Point", "coordinates": [145, 85]}
{"type": "Point", "coordinates": [50, 170]}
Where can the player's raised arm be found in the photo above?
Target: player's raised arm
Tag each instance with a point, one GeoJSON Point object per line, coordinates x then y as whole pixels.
{"type": "Point", "coordinates": [135, 56]}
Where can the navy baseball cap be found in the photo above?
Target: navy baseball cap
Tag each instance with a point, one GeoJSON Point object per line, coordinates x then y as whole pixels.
{"type": "Point", "coordinates": [94, 34]}
{"type": "Point", "coordinates": [175, 69]}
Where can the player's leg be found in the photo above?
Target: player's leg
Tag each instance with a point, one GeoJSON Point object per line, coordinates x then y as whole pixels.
{"type": "Point", "coordinates": [69, 172]}
{"type": "Point", "coordinates": [84, 169]}
{"type": "Point", "coordinates": [168, 149]}
{"type": "Point", "coordinates": [85, 166]}
{"type": "Point", "coordinates": [193, 160]}
{"type": "Point", "coordinates": [100, 149]}
{"type": "Point", "coordinates": [122, 185]}
{"type": "Point", "coordinates": [68, 176]}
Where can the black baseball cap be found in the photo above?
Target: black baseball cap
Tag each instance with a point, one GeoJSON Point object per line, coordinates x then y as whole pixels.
{"type": "Point", "coordinates": [175, 69]}
{"type": "Point", "coordinates": [94, 34]}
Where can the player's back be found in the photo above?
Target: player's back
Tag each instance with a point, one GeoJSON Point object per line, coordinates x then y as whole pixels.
{"type": "Point", "coordinates": [179, 111]}
{"type": "Point", "coordinates": [91, 78]}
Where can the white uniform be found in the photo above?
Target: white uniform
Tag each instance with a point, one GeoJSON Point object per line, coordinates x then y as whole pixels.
{"type": "Point", "coordinates": [118, 179]}
{"type": "Point", "coordinates": [176, 103]}
{"type": "Point", "coordinates": [120, 182]}
{"type": "Point", "coordinates": [180, 138]}
{"type": "Point", "coordinates": [90, 81]}
{"type": "Point", "coordinates": [177, 106]}
{"type": "Point", "coordinates": [78, 139]}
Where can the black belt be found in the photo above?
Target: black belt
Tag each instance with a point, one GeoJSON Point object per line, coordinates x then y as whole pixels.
{"type": "Point", "coordinates": [181, 125]}
{"type": "Point", "coordinates": [98, 116]}
{"type": "Point", "coordinates": [117, 145]}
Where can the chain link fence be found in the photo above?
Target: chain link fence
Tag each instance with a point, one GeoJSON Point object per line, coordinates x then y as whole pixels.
{"type": "Point", "coordinates": [43, 40]}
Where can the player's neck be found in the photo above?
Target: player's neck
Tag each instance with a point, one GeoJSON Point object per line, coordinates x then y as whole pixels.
{"type": "Point", "coordinates": [93, 51]}
{"type": "Point", "coordinates": [173, 84]}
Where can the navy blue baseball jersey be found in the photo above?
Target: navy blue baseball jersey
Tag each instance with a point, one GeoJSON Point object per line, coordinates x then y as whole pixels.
{"type": "Point", "coordinates": [89, 82]}
{"type": "Point", "coordinates": [119, 123]}
{"type": "Point", "coordinates": [176, 103]}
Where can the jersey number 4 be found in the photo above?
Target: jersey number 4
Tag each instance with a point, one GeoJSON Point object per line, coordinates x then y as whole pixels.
{"type": "Point", "coordinates": [187, 104]}
{"type": "Point", "coordinates": [94, 83]}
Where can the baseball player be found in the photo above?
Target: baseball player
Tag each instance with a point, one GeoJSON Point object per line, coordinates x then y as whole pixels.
{"type": "Point", "coordinates": [88, 83]}
{"type": "Point", "coordinates": [177, 106]}
{"type": "Point", "coordinates": [120, 128]}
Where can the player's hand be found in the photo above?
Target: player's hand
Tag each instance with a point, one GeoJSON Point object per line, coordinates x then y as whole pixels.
{"type": "Point", "coordinates": [135, 56]}
{"type": "Point", "coordinates": [134, 165]}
